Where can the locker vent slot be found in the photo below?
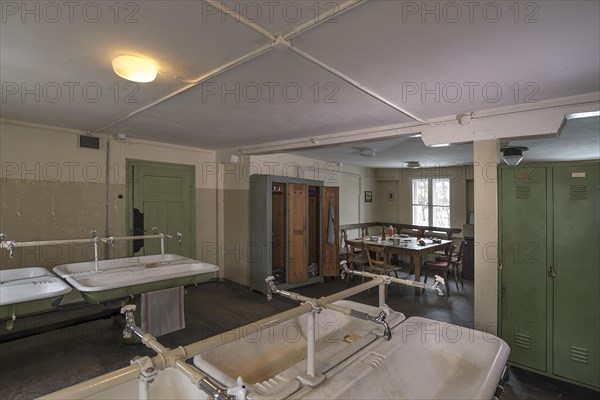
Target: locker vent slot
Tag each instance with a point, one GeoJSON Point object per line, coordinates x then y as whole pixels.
{"type": "Point", "coordinates": [579, 192]}
{"type": "Point", "coordinates": [523, 192]}
{"type": "Point", "coordinates": [579, 355]}
{"type": "Point", "coordinates": [522, 340]}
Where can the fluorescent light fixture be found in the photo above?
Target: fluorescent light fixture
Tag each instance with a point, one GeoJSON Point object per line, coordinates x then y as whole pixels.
{"type": "Point", "coordinates": [134, 68]}
{"type": "Point", "coordinates": [513, 155]}
{"type": "Point", "coordinates": [440, 145]}
{"type": "Point", "coordinates": [416, 135]}
{"type": "Point", "coordinates": [583, 115]}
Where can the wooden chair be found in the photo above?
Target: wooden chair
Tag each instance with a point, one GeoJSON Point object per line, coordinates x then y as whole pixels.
{"type": "Point", "coordinates": [456, 263]}
{"type": "Point", "coordinates": [379, 263]}
{"type": "Point", "coordinates": [442, 267]}
{"type": "Point", "coordinates": [356, 259]}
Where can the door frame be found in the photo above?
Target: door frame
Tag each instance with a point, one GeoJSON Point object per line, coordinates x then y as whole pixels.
{"type": "Point", "coordinates": [129, 181]}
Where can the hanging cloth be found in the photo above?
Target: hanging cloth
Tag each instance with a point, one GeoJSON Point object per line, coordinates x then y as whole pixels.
{"type": "Point", "coordinates": [331, 223]}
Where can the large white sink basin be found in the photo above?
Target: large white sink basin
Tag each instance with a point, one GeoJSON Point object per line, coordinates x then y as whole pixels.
{"type": "Point", "coordinates": [425, 359]}
{"type": "Point", "coordinates": [121, 278]}
{"type": "Point", "coordinates": [29, 290]}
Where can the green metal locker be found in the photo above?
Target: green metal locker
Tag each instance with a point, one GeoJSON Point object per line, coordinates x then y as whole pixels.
{"type": "Point", "coordinates": [576, 270]}
{"type": "Point", "coordinates": [523, 257]}
{"type": "Point", "coordinates": [550, 275]}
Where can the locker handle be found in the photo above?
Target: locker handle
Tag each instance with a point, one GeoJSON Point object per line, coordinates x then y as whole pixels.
{"type": "Point", "coordinates": [551, 272]}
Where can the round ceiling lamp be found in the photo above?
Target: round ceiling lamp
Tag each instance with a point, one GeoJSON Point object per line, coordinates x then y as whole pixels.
{"type": "Point", "coordinates": [133, 68]}
{"type": "Point", "coordinates": [413, 164]}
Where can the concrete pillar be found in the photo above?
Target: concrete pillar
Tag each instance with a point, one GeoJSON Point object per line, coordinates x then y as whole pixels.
{"type": "Point", "coordinates": [485, 158]}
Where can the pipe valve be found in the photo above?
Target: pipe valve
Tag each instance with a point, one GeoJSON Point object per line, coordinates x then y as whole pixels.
{"type": "Point", "coordinates": [130, 324]}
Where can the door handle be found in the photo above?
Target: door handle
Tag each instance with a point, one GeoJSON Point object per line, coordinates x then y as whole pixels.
{"type": "Point", "coordinates": [551, 272]}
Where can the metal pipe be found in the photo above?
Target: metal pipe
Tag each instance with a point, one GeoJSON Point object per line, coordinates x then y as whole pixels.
{"type": "Point", "coordinates": [96, 266]}
{"type": "Point", "coordinates": [105, 314]}
{"type": "Point", "coordinates": [144, 390]}
{"type": "Point", "coordinates": [106, 194]}
{"type": "Point", "coordinates": [131, 237]}
{"type": "Point", "coordinates": [382, 289]}
{"type": "Point", "coordinates": [49, 242]}
{"type": "Point", "coordinates": [310, 345]}
{"type": "Point", "coordinates": [323, 302]}
{"type": "Point", "coordinates": [388, 279]}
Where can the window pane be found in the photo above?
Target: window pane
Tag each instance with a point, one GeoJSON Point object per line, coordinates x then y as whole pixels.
{"type": "Point", "coordinates": [441, 216]}
{"type": "Point", "coordinates": [420, 191]}
{"type": "Point", "coordinates": [441, 192]}
{"type": "Point", "coordinates": [420, 215]}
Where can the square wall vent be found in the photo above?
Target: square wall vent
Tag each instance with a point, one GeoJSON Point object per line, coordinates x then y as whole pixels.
{"type": "Point", "coordinates": [89, 142]}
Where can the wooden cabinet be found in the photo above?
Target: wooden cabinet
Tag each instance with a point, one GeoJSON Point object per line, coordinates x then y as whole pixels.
{"type": "Point", "coordinates": [549, 297]}
{"type": "Point", "coordinates": [294, 231]}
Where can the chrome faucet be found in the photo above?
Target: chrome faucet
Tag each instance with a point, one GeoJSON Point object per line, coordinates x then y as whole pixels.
{"type": "Point", "coordinates": [380, 319]}
{"type": "Point", "coordinates": [10, 246]}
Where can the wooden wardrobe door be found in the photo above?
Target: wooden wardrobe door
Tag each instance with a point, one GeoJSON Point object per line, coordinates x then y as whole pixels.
{"type": "Point", "coordinates": [297, 233]}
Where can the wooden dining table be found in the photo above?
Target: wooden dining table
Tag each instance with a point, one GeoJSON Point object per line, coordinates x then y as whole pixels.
{"type": "Point", "coordinates": [408, 246]}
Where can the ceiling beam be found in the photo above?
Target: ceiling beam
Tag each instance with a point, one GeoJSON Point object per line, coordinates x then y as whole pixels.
{"type": "Point", "coordinates": [534, 119]}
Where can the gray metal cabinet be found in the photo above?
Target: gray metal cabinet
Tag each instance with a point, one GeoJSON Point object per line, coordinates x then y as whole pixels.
{"type": "Point", "coordinates": [289, 223]}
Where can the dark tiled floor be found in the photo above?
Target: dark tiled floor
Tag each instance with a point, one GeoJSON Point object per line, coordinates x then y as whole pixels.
{"type": "Point", "coordinates": [44, 363]}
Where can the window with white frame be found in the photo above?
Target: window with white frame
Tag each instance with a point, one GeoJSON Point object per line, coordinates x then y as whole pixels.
{"type": "Point", "coordinates": [431, 202]}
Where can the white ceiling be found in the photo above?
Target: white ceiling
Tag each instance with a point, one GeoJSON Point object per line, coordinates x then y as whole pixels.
{"type": "Point", "coordinates": [579, 139]}
{"type": "Point", "coordinates": [550, 50]}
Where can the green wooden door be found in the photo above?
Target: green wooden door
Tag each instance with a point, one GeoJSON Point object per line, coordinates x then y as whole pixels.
{"type": "Point", "coordinates": [577, 266]}
{"type": "Point", "coordinates": [164, 194]}
{"type": "Point", "coordinates": [523, 256]}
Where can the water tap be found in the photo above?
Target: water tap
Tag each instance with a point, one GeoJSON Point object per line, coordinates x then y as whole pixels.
{"type": "Point", "coordinates": [380, 319]}
{"type": "Point", "coordinates": [10, 246]}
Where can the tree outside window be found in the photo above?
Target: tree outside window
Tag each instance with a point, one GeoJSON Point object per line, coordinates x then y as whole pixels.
{"type": "Point", "coordinates": [431, 202]}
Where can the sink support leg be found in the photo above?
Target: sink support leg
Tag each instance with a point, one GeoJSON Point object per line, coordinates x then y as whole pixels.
{"type": "Point", "coordinates": [144, 389]}
{"type": "Point", "coordinates": [310, 345]}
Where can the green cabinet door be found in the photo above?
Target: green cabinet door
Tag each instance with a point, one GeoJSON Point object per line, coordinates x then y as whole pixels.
{"type": "Point", "coordinates": [523, 256]}
{"type": "Point", "coordinates": [576, 343]}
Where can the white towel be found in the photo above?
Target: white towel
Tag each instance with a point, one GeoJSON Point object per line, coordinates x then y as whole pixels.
{"type": "Point", "coordinates": [163, 311]}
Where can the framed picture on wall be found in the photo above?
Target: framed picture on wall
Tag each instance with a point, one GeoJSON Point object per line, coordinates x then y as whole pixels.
{"type": "Point", "coordinates": [368, 196]}
{"type": "Point", "coordinates": [390, 196]}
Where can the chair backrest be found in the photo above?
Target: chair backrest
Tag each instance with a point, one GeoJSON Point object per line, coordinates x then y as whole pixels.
{"type": "Point", "coordinates": [450, 251]}
{"type": "Point", "coordinates": [461, 252]}
{"type": "Point", "coordinates": [379, 252]}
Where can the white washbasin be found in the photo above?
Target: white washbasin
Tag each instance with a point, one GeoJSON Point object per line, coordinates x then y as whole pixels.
{"type": "Point", "coordinates": [28, 284]}
{"type": "Point", "coordinates": [126, 277]}
{"type": "Point", "coordinates": [86, 267]}
{"type": "Point", "coordinates": [23, 273]}
{"type": "Point", "coordinates": [270, 361]}
{"type": "Point", "coordinates": [137, 275]}
{"type": "Point", "coordinates": [25, 291]}
{"type": "Point", "coordinates": [425, 359]}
